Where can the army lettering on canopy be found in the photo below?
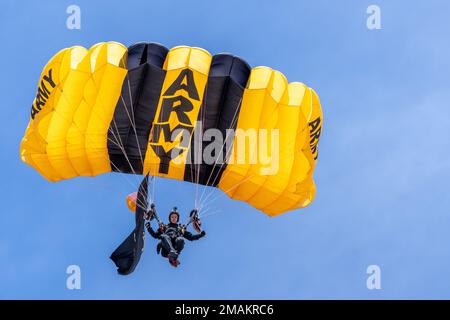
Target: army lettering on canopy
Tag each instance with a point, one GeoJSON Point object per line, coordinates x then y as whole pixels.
{"type": "Point", "coordinates": [173, 102]}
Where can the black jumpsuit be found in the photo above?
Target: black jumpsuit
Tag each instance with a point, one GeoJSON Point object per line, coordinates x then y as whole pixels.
{"type": "Point", "coordinates": [171, 240]}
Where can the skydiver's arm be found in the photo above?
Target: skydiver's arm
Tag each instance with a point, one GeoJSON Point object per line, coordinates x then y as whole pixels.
{"type": "Point", "coordinates": [192, 237]}
{"type": "Point", "coordinates": [156, 235]}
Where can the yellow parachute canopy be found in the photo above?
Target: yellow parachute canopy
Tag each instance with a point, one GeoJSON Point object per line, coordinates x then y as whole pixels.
{"type": "Point", "coordinates": [141, 109]}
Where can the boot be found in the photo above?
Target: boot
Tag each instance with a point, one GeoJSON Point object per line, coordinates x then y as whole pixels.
{"type": "Point", "coordinates": [174, 262]}
{"type": "Point", "coordinates": [173, 255]}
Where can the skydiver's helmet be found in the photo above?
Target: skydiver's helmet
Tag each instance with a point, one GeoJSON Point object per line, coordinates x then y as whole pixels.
{"type": "Point", "coordinates": [174, 211]}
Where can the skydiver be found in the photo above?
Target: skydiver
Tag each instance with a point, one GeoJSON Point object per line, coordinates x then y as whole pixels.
{"type": "Point", "coordinates": [171, 235]}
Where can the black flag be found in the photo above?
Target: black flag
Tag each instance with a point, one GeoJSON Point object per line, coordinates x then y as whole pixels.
{"type": "Point", "coordinates": [127, 255]}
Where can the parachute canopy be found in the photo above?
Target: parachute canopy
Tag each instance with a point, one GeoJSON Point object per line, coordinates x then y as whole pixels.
{"type": "Point", "coordinates": [139, 110]}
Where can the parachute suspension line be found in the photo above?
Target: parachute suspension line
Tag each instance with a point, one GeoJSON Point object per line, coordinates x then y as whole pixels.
{"type": "Point", "coordinates": [227, 153]}
{"type": "Point", "coordinates": [192, 174]}
{"type": "Point", "coordinates": [208, 213]}
{"type": "Point", "coordinates": [197, 168]}
{"type": "Point", "coordinates": [133, 121]}
{"type": "Point", "coordinates": [121, 146]}
{"type": "Point", "coordinates": [201, 213]}
{"type": "Point", "coordinates": [133, 125]}
{"type": "Point", "coordinates": [198, 144]}
{"type": "Point", "coordinates": [149, 193]}
{"type": "Point", "coordinates": [87, 139]}
{"type": "Point", "coordinates": [153, 188]}
{"type": "Point", "coordinates": [138, 202]}
{"type": "Point", "coordinates": [293, 140]}
{"type": "Point", "coordinates": [121, 143]}
{"type": "Point", "coordinates": [133, 185]}
{"type": "Point", "coordinates": [125, 176]}
{"type": "Point", "coordinates": [144, 205]}
{"type": "Point", "coordinates": [155, 165]}
{"type": "Point", "coordinates": [233, 122]}
{"type": "Point", "coordinates": [206, 203]}
{"type": "Point", "coordinates": [191, 179]}
{"type": "Point", "coordinates": [85, 136]}
{"type": "Point", "coordinates": [118, 143]}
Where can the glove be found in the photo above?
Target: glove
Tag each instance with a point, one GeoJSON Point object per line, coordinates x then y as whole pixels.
{"type": "Point", "coordinates": [203, 233]}
{"type": "Point", "coordinates": [147, 225]}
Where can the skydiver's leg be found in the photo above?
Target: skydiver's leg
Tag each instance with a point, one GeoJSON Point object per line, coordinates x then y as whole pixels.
{"type": "Point", "coordinates": [167, 245]}
{"type": "Point", "coordinates": [158, 247]}
{"type": "Point", "coordinates": [164, 253]}
{"type": "Point", "coordinates": [179, 244]}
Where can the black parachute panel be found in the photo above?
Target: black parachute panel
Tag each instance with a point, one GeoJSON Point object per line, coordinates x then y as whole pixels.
{"type": "Point", "coordinates": [138, 102]}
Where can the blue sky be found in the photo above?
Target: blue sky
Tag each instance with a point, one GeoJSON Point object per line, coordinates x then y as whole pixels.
{"type": "Point", "coordinates": [382, 176]}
